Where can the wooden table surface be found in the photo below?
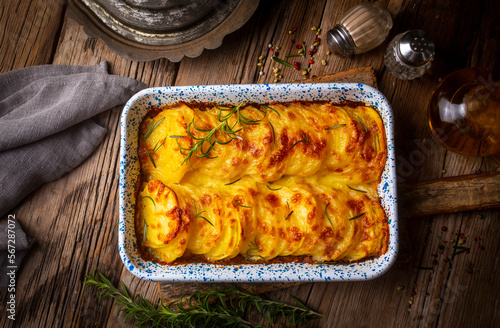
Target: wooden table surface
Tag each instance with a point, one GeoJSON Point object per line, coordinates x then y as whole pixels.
{"type": "Point", "coordinates": [74, 220]}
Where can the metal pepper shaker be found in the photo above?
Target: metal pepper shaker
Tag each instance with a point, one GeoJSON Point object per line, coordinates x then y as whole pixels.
{"type": "Point", "coordinates": [409, 54]}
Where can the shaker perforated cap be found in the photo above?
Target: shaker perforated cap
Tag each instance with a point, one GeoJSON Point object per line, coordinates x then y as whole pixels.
{"type": "Point", "coordinates": [415, 48]}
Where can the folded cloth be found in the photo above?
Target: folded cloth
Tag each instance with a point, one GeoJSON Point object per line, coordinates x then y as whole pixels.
{"type": "Point", "coordinates": [45, 122]}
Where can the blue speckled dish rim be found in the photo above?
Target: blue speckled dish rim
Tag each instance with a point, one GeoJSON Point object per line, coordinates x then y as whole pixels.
{"type": "Point", "coordinates": [132, 115]}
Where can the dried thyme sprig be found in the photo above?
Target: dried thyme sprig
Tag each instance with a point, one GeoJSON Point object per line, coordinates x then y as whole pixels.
{"type": "Point", "coordinates": [212, 307]}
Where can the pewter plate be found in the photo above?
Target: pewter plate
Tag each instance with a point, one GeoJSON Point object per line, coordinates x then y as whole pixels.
{"type": "Point", "coordinates": [133, 114]}
{"type": "Point", "coordinates": [151, 29]}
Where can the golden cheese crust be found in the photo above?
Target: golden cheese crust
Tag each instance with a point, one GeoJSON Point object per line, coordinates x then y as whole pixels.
{"type": "Point", "coordinates": [299, 180]}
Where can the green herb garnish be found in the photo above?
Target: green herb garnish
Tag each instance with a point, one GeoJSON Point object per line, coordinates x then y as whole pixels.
{"type": "Point", "coordinates": [234, 201]}
{"type": "Point", "coordinates": [253, 247]}
{"type": "Point", "coordinates": [145, 232]}
{"type": "Point", "coordinates": [442, 242]}
{"type": "Point", "coordinates": [210, 139]}
{"type": "Point", "coordinates": [272, 132]}
{"type": "Point", "coordinates": [273, 189]}
{"type": "Point", "coordinates": [212, 307]}
{"type": "Point", "coordinates": [175, 136]}
{"type": "Point", "coordinates": [364, 192]}
{"type": "Point", "coordinates": [274, 110]}
{"type": "Point", "coordinates": [328, 217]}
{"type": "Point", "coordinates": [281, 61]}
{"type": "Point", "coordinates": [357, 216]}
{"type": "Point", "coordinates": [198, 213]}
{"type": "Point", "coordinates": [158, 146]}
{"type": "Point", "coordinates": [361, 121]}
{"type": "Point", "coordinates": [336, 126]}
{"type": "Point", "coordinates": [288, 216]}
{"type": "Point", "coordinates": [152, 127]}
{"type": "Point", "coordinates": [306, 140]}
{"type": "Point", "coordinates": [230, 183]}
{"type": "Point", "coordinates": [149, 197]}
{"type": "Point", "coordinates": [326, 262]}
{"type": "Point", "coordinates": [150, 158]}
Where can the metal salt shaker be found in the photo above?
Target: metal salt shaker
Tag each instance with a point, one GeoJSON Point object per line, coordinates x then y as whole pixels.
{"type": "Point", "coordinates": [409, 54]}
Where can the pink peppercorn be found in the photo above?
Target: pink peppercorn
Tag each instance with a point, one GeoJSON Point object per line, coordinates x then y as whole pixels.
{"type": "Point", "coordinates": [311, 61]}
{"type": "Point", "coordinates": [444, 228]}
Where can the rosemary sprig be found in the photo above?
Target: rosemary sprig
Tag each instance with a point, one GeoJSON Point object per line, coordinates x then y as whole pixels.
{"type": "Point", "coordinates": [253, 247]}
{"type": "Point", "coordinates": [152, 127]}
{"type": "Point", "coordinates": [357, 216]}
{"type": "Point", "coordinates": [336, 126]}
{"type": "Point", "coordinates": [328, 217]}
{"type": "Point", "coordinates": [230, 183]}
{"type": "Point", "coordinates": [281, 61]}
{"type": "Point", "coordinates": [212, 307]}
{"type": "Point", "coordinates": [274, 110]}
{"type": "Point", "coordinates": [306, 140]}
{"type": "Point", "coordinates": [288, 205]}
{"type": "Point", "coordinates": [210, 139]}
{"type": "Point", "coordinates": [198, 213]}
{"type": "Point", "coordinates": [234, 201]}
{"type": "Point", "coordinates": [361, 121]}
{"type": "Point", "coordinates": [288, 216]}
{"type": "Point", "coordinates": [364, 192]}
{"type": "Point", "coordinates": [158, 146]}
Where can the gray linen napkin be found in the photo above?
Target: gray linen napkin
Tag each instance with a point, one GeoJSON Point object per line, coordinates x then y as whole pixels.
{"type": "Point", "coordinates": [46, 128]}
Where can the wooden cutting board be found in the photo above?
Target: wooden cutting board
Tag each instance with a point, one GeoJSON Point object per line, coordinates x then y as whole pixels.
{"type": "Point", "coordinates": [446, 195]}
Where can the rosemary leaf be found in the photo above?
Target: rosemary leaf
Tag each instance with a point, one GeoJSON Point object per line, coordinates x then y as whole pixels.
{"type": "Point", "coordinates": [253, 247]}
{"type": "Point", "coordinates": [272, 132]}
{"type": "Point", "coordinates": [150, 158]}
{"type": "Point", "coordinates": [273, 189]}
{"type": "Point", "coordinates": [442, 242]}
{"type": "Point", "coordinates": [361, 121]}
{"type": "Point", "coordinates": [230, 183]}
{"type": "Point", "coordinates": [281, 61]}
{"type": "Point", "coordinates": [234, 201]}
{"type": "Point", "coordinates": [175, 136]}
{"type": "Point", "coordinates": [274, 110]}
{"type": "Point", "coordinates": [288, 216]}
{"type": "Point", "coordinates": [152, 127]}
{"type": "Point", "coordinates": [364, 192]}
{"type": "Point", "coordinates": [336, 126]}
{"type": "Point", "coordinates": [306, 140]}
{"type": "Point", "coordinates": [326, 262]}
{"type": "Point", "coordinates": [328, 217]}
{"type": "Point", "coordinates": [357, 216]}
{"type": "Point", "coordinates": [149, 197]}
{"type": "Point", "coordinates": [145, 232]}
{"type": "Point", "coordinates": [198, 213]}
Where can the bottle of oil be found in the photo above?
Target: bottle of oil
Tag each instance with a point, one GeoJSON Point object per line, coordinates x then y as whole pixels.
{"type": "Point", "coordinates": [464, 113]}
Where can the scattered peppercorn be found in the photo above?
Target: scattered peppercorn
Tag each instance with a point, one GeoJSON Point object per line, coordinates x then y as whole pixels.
{"type": "Point", "coordinates": [261, 57]}
{"type": "Point", "coordinates": [444, 228]}
{"type": "Point", "coordinates": [311, 61]}
{"type": "Point", "coordinates": [413, 293]}
{"type": "Point", "coordinates": [400, 287]}
{"type": "Point", "coordinates": [434, 262]}
{"type": "Point", "coordinates": [444, 171]}
{"type": "Point", "coordinates": [314, 28]}
{"type": "Point", "coordinates": [323, 62]}
{"type": "Point", "coordinates": [261, 73]}
{"type": "Point", "coordinates": [259, 64]}
{"type": "Point", "coordinates": [271, 49]}
{"type": "Point", "coordinates": [446, 260]}
{"type": "Point", "coordinates": [269, 45]}
{"type": "Point", "coordinates": [328, 52]}
{"type": "Point", "coordinates": [477, 239]}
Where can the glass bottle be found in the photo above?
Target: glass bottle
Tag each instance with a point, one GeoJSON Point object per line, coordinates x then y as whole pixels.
{"type": "Point", "coordinates": [409, 54]}
{"type": "Point", "coordinates": [464, 113]}
{"type": "Point", "coordinates": [360, 29]}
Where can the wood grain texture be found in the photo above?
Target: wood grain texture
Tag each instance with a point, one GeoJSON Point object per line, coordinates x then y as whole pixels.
{"type": "Point", "coordinates": [450, 195]}
{"type": "Point", "coordinates": [74, 219]}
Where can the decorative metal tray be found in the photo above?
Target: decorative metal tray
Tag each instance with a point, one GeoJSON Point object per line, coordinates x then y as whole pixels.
{"type": "Point", "coordinates": [143, 30]}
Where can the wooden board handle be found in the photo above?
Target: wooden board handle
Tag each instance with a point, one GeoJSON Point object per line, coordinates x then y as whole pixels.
{"type": "Point", "coordinates": [449, 195]}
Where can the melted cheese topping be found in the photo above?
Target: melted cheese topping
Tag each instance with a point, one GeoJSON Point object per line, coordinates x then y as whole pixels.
{"type": "Point", "coordinates": [315, 198]}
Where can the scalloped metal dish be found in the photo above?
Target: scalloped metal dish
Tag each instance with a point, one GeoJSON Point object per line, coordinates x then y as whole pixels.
{"type": "Point", "coordinates": [134, 112]}
{"type": "Point", "coordinates": [144, 30]}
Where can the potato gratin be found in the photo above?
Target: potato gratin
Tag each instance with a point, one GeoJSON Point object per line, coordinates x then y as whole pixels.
{"type": "Point", "coordinates": [261, 182]}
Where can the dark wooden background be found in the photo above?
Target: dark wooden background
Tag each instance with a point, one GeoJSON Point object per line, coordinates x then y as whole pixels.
{"type": "Point", "coordinates": [74, 220]}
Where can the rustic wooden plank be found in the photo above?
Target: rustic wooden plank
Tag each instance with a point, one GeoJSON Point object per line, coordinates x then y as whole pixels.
{"type": "Point", "coordinates": [29, 32]}
{"type": "Point", "coordinates": [449, 195]}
